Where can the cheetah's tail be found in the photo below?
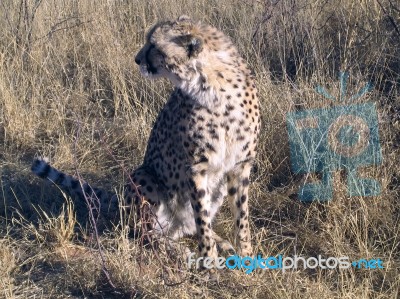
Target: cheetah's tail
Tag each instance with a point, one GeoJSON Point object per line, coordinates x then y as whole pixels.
{"type": "Point", "coordinates": [78, 189]}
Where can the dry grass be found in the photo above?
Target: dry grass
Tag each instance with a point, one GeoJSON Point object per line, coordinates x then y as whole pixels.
{"type": "Point", "coordinates": [69, 90]}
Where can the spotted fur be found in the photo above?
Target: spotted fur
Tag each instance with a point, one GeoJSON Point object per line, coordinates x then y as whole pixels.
{"type": "Point", "coordinates": [203, 143]}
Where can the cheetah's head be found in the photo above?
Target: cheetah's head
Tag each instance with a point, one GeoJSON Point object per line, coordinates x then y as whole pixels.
{"type": "Point", "coordinates": [197, 58]}
{"type": "Point", "coordinates": [170, 46]}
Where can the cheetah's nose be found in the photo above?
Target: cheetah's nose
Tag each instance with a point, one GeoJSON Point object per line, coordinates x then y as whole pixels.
{"type": "Point", "coordinates": [137, 60]}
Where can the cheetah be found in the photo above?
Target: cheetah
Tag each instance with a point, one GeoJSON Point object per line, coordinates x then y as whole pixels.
{"type": "Point", "coordinates": [203, 143]}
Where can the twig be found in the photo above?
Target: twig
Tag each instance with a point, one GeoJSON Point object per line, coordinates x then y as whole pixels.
{"type": "Point", "coordinates": [93, 220]}
{"type": "Point", "coordinates": [390, 18]}
{"type": "Point", "coordinates": [268, 12]}
{"type": "Point", "coordinates": [54, 28]}
{"type": "Point", "coordinates": [394, 7]}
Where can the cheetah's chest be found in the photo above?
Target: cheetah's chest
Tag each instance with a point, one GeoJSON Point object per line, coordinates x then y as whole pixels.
{"type": "Point", "coordinates": [186, 133]}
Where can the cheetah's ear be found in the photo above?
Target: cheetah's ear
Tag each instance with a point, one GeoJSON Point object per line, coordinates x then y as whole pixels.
{"type": "Point", "coordinates": [193, 44]}
{"type": "Point", "coordinates": [190, 41]}
{"type": "Point", "coordinates": [184, 19]}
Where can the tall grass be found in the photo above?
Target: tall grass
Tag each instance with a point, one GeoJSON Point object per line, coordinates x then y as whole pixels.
{"type": "Point", "coordinates": [69, 90]}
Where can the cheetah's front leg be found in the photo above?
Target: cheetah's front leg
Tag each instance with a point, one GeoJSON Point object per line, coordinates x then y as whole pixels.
{"type": "Point", "coordinates": [238, 187]}
{"type": "Point", "coordinates": [201, 203]}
